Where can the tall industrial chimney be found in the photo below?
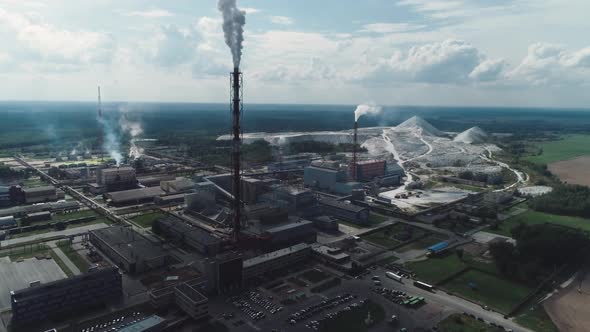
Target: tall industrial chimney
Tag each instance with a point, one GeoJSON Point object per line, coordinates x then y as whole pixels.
{"type": "Point", "coordinates": [236, 107]}
{"type": "Point", "coordinates": [354, 142]}
{"type": "Point", "coordinates": [100, 143]}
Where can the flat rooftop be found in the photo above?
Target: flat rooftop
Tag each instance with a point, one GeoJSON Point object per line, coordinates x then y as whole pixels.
{"type": "Point", "coordinates": [193, 294]}
{"type": "Point", "coordinates": [342, 205]}
{"type": "Point", "coordinates": [31, 190]}
{"type": "Point", "coordinates": [128, 243]}
{"type": "Point", "coordinates": [135, 194]}
{"type": "Point", "coordinates": [274, 255]}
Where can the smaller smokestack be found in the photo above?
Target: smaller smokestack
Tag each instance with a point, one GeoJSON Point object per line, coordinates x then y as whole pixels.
{"type": "Point", "coordinates": [354, 142]}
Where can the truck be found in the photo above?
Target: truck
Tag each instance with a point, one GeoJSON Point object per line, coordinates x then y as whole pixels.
{"type": "Point", "coordinates": [393, 276]}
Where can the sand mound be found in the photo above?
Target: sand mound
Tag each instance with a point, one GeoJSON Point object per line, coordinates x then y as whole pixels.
{"type": "Point", "coordinates": [473, 135]}
{"type": "Point", "coordinates": [417, 123]}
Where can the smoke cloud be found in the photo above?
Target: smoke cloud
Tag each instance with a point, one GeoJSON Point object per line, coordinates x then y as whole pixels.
{"type": "Point", "coordinates": [111, 140]}
{"type": "Point", "coordinates": [134, 129]}
{"type": "Point", "coordinates": [364, 109]}
{"type": "Point", "coordinates": [233, 28]}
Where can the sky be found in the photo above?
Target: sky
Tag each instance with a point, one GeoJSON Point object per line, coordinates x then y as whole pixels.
{"type": "Point", "coordinates": [524, 53]}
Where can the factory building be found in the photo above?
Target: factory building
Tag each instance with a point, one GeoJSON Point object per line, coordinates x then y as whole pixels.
{"type": "Point", "coordinates": [329, 179]}
{"type": "Point", "coordinates": [294, 198]}
{"type": "Point", "coordinates": [395, 169]}
{"type": "Point", "coordinates": [117, 178]}
{"type": "Point", "coordinates": [331, 255]}
{"type": "Point", "coordinates": [366, 170]}
{"type": "Point", "coordinates": [63, 297]}
{"type": "Point", "coordinates": [5, 200]}
{"type": "Point", "coordinates": [40, 194]}
{"type": "Point", "coordinates": [170, 199]}
{"type": "Point", "coordinates": [224, 272]}
{"type": "Point", "coordinates": [290, 234]}
{"type": "Point", "coordinates": [133, 196]}
{"type": "Point", "coordinates": [203, 195]}
{"type": "Point", "coordinates": [20, 211]}
{"type": "Point", "coordinates": [326, 223]}
{"type": "Point", "coordinates": [155, 181]}
{"type": "Point", "coordinates": [346, 211]}
{"type": "Point", "coordinates": [179, 185]}
{"type": "Point", "coordinates": [7, 222]}
{"type": "Point", "coordinates": [191, 236]}
{"type": "Point", "coordinates": [251, 188]}
{"type": "Point", "coordinates": [276, 260]}
{"type": "Point", "coordinates": [185, 295]}
{"type": "Point", "coordinates": [128, 249]}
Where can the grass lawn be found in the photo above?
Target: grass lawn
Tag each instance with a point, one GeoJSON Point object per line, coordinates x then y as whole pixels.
{"type": "Point", "coordinates": [536, 320]}
{"type": "Point", "coordinates": [146, 220]}
{"type": "Point", "coordinates": [74, 215]}
{"type": "Point", "coordinates": [314, 275]}
{"type": "Point", "coordinates": [354, 320]}
{"type": "Point", "coordinates": [462, 323]}
{"type": "Point", "coordinates": [382, 239]}
{"type": "Point", "coordinates": [436, 269]}
{"type": "Point", "coordinates": [532, 217]}
{"type": "Point", "coordinates": [492, 290]}
{"type": "Point", "coordinates": [73, 255]}
{"type": "Point", "coordinates": [569, 147]}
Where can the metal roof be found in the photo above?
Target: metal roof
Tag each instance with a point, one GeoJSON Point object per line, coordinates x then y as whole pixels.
{"type": "Point", "coordinates": [439, 246]}
{"type": "Point", "coordinates": [144, 325]}
{"type": "Point", "coordinates": [275, 254]}
{"type": "Point", "coordinates": [342, 205]}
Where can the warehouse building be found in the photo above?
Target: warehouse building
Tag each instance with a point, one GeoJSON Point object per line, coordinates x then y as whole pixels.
{"type": "Point", "coordinates": [330, 179]}
{"type": "Point", "coordinates": [170, 199]}
{"type": "Point", "coordinates": [5, 200]}
{"type": "Point", "coordinates": [40, 194]}
{"type": "Point", "coordinates": [326, 223]}
{"type": "Point", "coordinates": [290, 234]}
{"type": "Point", "coordinates": [116, 178]}
{"type": "Point", "coordinates": [128, 249]}
{"type": "Point", "coordinates": [178, 185]}
{"type": "Point", "coordinates": [20, 211]}
{"type": "Point", "coordinates": [188, 235]}
{"type": "Point", "coordinates": [223, 272]}
{"type": "Point", "coordinates": [7, 222]}
{"type": "Point", "coordinates": [155, 181]}
{"type": "Point", "coordinates": [275, 260]}
{"type": "Point", "coordinates": [63, 297]}
{"type": "Point", "coordinates": [294, 198]}
{"type": "Point", "coordinates": [186, 295]}
{"type": "Point", "coordinates": [346, 211]}
{"type": "Point", "coordinates": [134, 196]}
{"type": "Point", "coordinates": [366, 170]}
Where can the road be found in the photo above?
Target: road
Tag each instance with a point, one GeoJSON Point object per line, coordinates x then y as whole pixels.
{"type": "Point", "coordinates": [64, 258]}
{"type": "Point", "coordinates": [456, 303]}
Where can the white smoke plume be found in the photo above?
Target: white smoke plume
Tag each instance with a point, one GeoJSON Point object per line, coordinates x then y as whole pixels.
{"type": "Point", "coordinates": [111, 141]}
{"type": "Point", "coordinates": [233, 27]}
{"type": "Point", "coordinates": [134, 129]}
{"type": "Point", "coordinates": [365, 109]}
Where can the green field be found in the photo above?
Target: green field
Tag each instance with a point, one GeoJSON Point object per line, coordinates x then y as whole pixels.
{"type": "Point", "coordinates": [61, 264]}
{"type": "Point", "coordinates": [536, 320]}
{"type": "Point", "coordinates": [436, 269]}
{"type": "Point", "coordinates": [462, 323]}
{"type": "Point", "coordinates": [492, 290]}
{"type": "Point", "coordinates": [569, 147]}
{"type": "Point", "coordinates": [146, 220]}
{"type": "Point", "coordinates": [74, 215]}
{"type": "Point", "coordinates": [534, 218]}
{"type": "Point", "coordinates": [422, 243]}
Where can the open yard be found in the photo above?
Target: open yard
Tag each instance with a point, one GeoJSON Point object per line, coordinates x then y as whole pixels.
{"type": "Point", "coordinates": [393, 235]}
{"type": "Point", "coordinates": [489, 289]}
{"type": "Point", "coordinates": [436, 269]}
{"type": "Point", "coordinates": [533, 218]}
{"type": "Point", "coordinates": [423, 243]}
{"type": "Point", "coordinates": [569, 147]}
{"type": "Point", "coordinates": [314, 275]}
{"type": "Point", "coordinates": [74, 215]}
{"type": "Point", "coordinates": [354, 320]}
{"type": "Point", "coordinates": [536, 320]}
{"type": "Point", "coordinates": [74, 256]}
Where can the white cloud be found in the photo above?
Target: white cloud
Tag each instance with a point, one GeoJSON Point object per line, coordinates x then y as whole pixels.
{"type": "Point", "coordinates": [56, 44]}
{"type": "Point", "coordinates": [550, 64]}
{"type": "Point", "coordinates": [390, 27]}
{"type": "Point", "coordinates": [173, 46]}
{"type": "Point", "coordinates": [282, 20]}
{"type": "Point", "coordinates": [150, 13]}
{"type": "Point", "coordinates": [250, 10]}
{"type": "Point", "coordinates": [489, 70]}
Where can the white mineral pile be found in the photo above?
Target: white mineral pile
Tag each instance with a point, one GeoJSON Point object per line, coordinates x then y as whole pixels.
{"type": "Point", "coordinates": [473, 135]}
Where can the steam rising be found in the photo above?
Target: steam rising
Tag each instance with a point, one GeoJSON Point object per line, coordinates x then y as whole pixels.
{"type": "Point", "coordinates": [134, 129]}
{"type": "Point", "coordinates": [364, 109]}
{"type": "Point", "coordinates": [111, 140]}
{"type": "Point", "coordinates": [233, 28]}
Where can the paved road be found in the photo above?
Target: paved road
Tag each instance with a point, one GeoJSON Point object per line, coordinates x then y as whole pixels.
{"type": "Point", "coordinates": [453, 302]}
{"type": "Point", "coordinates": [64, 258]}
{"type": "Point", "coordinates": [68, 232]}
